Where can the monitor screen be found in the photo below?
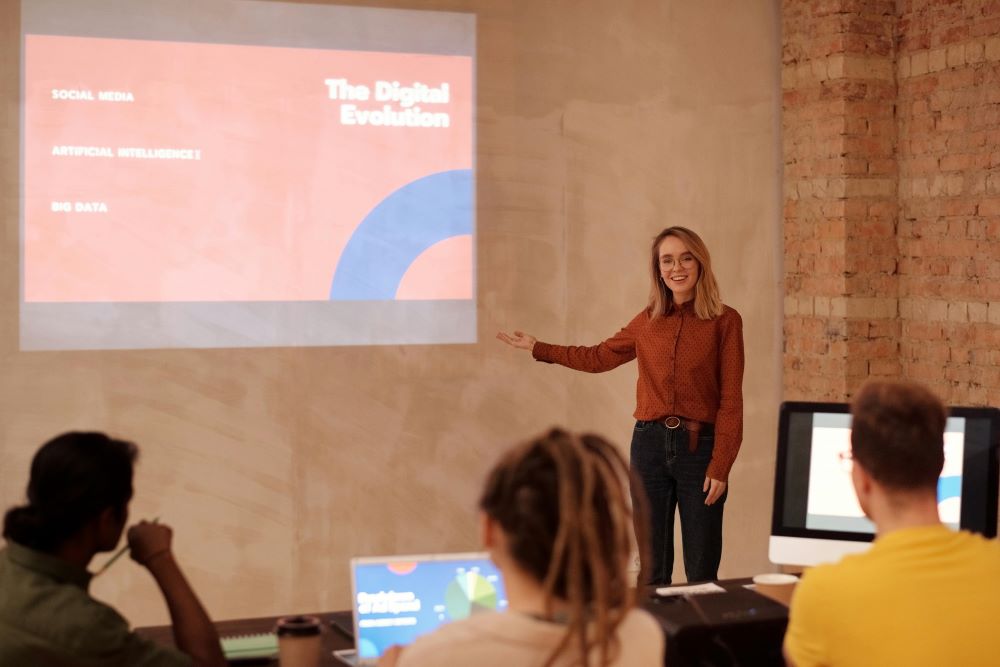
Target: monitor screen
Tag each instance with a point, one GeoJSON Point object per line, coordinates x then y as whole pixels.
{"type": "Point", "coordinates": [816, 516]}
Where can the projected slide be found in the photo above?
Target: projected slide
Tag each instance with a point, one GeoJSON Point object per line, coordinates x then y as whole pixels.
{"type": "Point", "coordinates": [207, 193]}
{"type": "Point", "coordinates": [832, 503]}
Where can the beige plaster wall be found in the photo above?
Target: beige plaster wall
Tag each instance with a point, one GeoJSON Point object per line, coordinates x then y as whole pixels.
{"type": "Point", "coordinates": [598, 123]}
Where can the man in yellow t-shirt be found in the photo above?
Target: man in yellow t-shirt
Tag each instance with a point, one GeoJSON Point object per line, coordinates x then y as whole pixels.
{"type": "Point", "coordinates": [923, 594]}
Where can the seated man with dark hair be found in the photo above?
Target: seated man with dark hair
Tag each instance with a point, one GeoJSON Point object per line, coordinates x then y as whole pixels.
{"type": "Point", "coordinates": [923, 594]}
{"type": "Point", "coordinates": [78, 496]}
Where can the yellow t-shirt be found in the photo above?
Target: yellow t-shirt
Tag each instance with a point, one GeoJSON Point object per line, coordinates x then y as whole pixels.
{"type": "Point", "coordinates": [919, 596]}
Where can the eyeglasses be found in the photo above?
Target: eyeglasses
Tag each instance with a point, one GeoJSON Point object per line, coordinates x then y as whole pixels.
{"type": "Point", "coordinates": [846, 459]}
{"type": "Point", "coordinates": [686, 262]}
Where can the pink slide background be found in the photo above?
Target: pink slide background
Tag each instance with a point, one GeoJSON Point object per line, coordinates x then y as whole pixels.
{"type": "Point", "coordinates": [266, 212]}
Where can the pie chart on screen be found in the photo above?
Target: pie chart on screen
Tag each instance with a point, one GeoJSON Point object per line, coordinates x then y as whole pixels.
{"type": "Point", "coordinates": [469, 593]}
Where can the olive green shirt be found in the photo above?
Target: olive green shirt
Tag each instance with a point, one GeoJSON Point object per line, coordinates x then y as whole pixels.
{"type": "Point", "coordinates": [48, 618]}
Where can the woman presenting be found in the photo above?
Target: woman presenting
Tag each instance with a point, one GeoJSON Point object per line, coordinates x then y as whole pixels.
{"type": "Point", "coordinates": [689, 400]}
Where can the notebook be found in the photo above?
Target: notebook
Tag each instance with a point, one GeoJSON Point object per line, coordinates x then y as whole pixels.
{"type": "Point", "coordinates": [250, 647]}
{"type": "Point", "coordinates": [399, 598]}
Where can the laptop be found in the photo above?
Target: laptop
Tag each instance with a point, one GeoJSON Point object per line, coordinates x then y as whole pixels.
{"type": "Point", "coordinates": [399, 598]}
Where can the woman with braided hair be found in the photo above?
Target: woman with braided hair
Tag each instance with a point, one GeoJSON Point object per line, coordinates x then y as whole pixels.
{"type": "Point", "coordinates": [556, 518]}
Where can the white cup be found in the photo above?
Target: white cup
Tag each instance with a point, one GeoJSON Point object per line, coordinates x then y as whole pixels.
{"type": "Point", "coordinates": [779, 587]}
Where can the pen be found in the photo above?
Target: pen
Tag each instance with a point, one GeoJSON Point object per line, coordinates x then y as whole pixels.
{"type": "Point", "coordinates": [118, 554]}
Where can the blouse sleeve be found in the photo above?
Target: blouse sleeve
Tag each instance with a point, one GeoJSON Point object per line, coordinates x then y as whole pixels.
{"type": "Point", "coordinates": [610, 354]}
{"type": "Point", "coordinates": [729, 418]}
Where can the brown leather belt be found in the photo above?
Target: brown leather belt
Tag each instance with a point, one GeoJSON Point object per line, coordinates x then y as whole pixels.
{"type": "Point", "coordinates": [692, 426]}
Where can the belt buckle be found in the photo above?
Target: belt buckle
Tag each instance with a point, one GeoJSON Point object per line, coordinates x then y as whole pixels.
{"type": "Point", "coordinates": [672, 422]}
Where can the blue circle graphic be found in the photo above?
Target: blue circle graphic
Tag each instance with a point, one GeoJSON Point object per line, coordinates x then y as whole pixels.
{"type": "Point", "coordinates": [396, 232]}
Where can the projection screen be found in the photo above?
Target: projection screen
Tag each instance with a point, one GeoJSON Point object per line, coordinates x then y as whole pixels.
{"type": "Point", "coordinates": [223, 173]}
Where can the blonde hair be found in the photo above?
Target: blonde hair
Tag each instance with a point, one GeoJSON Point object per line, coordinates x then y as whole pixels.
{"type": "Point", "coordinates": [562, 500]}
{"type": "Point", "coordinates": [707, 302]}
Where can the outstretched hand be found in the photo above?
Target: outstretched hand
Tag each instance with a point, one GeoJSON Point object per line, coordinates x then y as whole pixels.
{"type": "Point", "coordinates": [520, 340]}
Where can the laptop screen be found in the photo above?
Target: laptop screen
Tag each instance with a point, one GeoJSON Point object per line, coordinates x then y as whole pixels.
{"type": "Point", "coordinates": [399, 598]}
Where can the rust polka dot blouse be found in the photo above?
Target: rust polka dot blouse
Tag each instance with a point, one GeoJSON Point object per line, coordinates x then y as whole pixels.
{"type": "Point", "coordinates": [688, 367]}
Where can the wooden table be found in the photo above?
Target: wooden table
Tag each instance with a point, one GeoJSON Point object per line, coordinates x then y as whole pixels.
{"type": "Point", "coordinates": [333, 639]}
{"type": "Point", "coordinates": [739, 640]}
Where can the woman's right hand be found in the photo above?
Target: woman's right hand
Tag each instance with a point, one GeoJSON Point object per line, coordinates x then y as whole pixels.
{"type": "Point", "coordinates": [520, 340]}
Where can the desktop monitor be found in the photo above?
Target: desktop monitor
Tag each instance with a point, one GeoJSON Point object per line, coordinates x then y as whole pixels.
{"type": "Point", "coordinates": [816, 516]}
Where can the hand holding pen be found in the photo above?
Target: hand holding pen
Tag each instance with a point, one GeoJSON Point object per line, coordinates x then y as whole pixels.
{"type": "Point", "coordinates": [148, 541]}
{"type": "Point", "coordinates": [150, 538]}
{"type": "Point", "coordinates": [149, 544]}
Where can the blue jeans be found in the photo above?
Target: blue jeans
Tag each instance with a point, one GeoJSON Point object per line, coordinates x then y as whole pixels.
{"type": "Point", "coordinates": [672, 477]}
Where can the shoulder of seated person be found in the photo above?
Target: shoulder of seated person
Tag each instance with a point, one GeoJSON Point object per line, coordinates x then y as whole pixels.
{"type": "Point", "coordinates": [840, 579]}
{"type": "Point", "coordinates": [87, 625]}
{"type": "Point", "coordinates": [452, 639]}
{"type": "Point", "coordinates": [640, 621]}
{"type": "Point", "coordinates": [637, 616]}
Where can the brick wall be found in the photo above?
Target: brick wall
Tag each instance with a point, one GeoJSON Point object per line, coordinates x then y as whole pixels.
{"type": "Point", "coordinates": [891, 131]}
{"type": "Point", "coordinates": [840, 186]}
{"type": "Point", "coordinates": [948, 110]}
